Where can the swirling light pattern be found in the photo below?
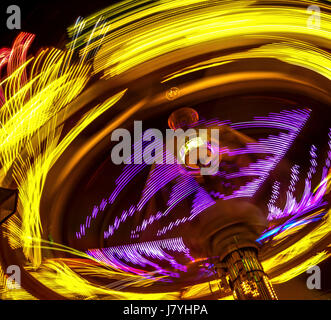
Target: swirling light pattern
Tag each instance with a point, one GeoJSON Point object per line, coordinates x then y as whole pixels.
{"type": "Point", "coordinates": [275, 146]}
{"type": "Point", "coordinates": [36, 97]}
{"type": "Point", "coordinates": [134, 254]}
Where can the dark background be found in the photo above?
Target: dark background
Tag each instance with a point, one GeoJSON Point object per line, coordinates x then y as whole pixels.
{"type": "Point", "coordinates": [49, 20]}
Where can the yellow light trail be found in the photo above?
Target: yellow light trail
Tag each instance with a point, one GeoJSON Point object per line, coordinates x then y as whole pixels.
{"type": "Point", "coordinates": [154, 31]}
{"type": "Point", "coordinates": [301, 247]}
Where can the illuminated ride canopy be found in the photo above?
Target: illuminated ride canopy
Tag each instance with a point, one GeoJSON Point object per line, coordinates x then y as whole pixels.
{"type": "Point", "coordinates": [87, 228]}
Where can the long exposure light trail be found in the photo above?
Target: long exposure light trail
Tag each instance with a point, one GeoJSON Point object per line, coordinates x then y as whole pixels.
{"type": "Point", "coordinates": [37, 91]}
